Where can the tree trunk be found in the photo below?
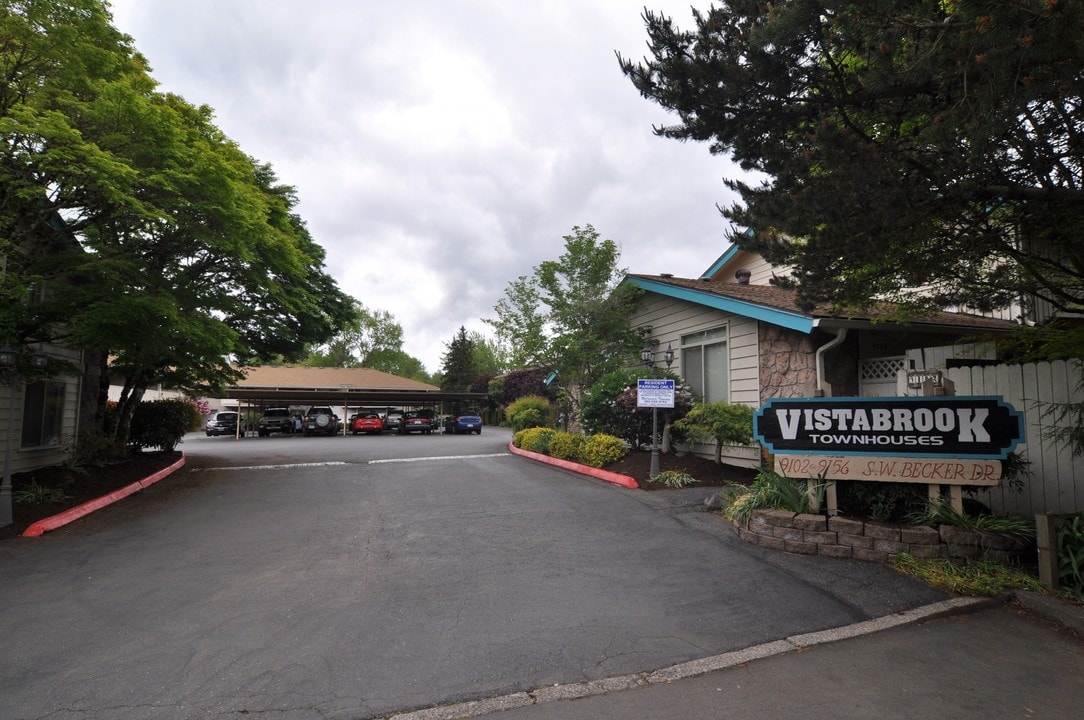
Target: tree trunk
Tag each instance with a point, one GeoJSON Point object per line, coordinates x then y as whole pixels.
{"type": "Point", "coordinates": [130, 396]}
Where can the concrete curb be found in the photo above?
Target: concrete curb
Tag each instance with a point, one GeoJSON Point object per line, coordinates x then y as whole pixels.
{"type": "Point", "coordinates": [603, 686]}
{"type": "Point", "coordinates": [61, 519]}
{"type": "Point", "coordinates": [606, 475]}
{"type": "Point", "coordinates": [1063, 612]}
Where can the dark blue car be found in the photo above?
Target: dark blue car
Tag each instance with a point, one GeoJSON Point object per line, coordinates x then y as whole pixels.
{"type": "Point", "coordinates": [456, 424]}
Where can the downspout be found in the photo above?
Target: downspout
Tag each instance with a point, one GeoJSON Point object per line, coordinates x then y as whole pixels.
{"type": "Point", "coordinates": [835, 342]}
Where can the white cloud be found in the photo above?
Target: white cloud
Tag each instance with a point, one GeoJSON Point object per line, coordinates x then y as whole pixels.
{"type": "Point", "coordinates": [443, 148]}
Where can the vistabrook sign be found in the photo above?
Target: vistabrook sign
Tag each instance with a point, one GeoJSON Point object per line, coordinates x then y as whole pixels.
{"type": "Point", "coordinates": [960, 427]}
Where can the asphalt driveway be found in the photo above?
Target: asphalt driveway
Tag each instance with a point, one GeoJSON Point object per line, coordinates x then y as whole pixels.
{"type": "Point", "coordinates": [354, 577]}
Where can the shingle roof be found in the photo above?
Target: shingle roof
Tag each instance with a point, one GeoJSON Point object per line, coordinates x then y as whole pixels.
{"type": "Point", "coordinates": [784, 301]}
{"type": "Point", "coordinates": [316, 378]}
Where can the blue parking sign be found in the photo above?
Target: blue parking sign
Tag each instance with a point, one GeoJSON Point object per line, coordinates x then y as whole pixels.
{"type": "Point", "coordinates": [652, 393]}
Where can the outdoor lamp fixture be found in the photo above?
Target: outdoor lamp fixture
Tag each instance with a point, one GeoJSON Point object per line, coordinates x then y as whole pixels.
{"type": "Point", "coordinates": [648, 356]}
{"type": "Point", "coordinates": [9, 375]}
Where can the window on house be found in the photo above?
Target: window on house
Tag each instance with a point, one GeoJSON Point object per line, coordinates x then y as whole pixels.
{"type": "Point", "coordinates": [704, 364]}
{"type": "Point", "coordinates": [43, 412]}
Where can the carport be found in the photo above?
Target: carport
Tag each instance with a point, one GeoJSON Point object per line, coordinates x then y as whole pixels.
{"type": "Point", "coordinates": [347, 388]}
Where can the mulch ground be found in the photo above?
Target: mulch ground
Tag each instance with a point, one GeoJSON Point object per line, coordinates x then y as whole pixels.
{"type": "Point", "coordinates": [79, 486]}
{"type": "Point", "coordinates": [637, 465]}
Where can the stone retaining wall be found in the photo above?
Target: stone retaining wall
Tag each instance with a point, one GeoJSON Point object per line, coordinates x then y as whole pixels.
{"type": "Point", "coordinates": [877, 541]}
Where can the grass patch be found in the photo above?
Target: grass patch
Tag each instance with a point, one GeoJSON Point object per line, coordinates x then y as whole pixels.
{"type": "Point", "coordinates": [982, 578]}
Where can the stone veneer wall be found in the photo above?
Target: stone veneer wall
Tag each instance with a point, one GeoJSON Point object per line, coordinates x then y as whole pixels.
{"type": "Point", "coordinates": [788, 365]}
{"type": "Point", "coordinates": [842, 537]}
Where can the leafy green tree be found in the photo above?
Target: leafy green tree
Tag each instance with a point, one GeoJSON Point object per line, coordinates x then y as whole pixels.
{"type": "Point", "coordinates": [146, 234]}
{"type": "Point", "coordinates": [903, 144]}
{"type": "Point", "coordinates": [399, 363]}
{"type": "Point", "coordinates": [355, 342]}
{"type": "Point", "coordinates": [490, 357]}
{"type": "Point", "coordinates": [572, 315]}
{"type": "Point", "coordinates": [457, 364]}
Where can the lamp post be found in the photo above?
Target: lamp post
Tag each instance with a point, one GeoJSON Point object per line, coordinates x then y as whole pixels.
{"type": "Point", "coordinates": [648, 357]}
{"type": "Point", "coordinates": [9, 375]}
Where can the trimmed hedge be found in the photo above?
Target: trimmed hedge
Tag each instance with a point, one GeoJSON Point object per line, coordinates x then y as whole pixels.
{"type": "Point", "coordinates": [601, 449]}
{"type": "Point", "coordinates": [595, 450]}
{"type": "Point", "coordinates": [536, 439]}
{"type": "Point", "coordinates": [162, 423]}
{"type": "Point", "coordinates": [567, 446]}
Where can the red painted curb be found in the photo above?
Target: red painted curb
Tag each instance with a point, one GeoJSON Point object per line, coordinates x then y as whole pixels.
{"type": "Point", "coordinates": [61, 519]}
{"type": "Point", "coordinates": [611, 477]}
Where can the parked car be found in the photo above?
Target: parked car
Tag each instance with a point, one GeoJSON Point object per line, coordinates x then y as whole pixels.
{"type": "Point", "coordinates": [225, 423]}
{"type": "Point", "coordinates": [275, 420]}
{"type": "Point", "coordinates": [369, 423]}
{"type": "Point", "coordinates": [417, 421]}
{"type": "Point", "coordinates": [456, 424]}
{"type": "Point", "coordinates": [320, 419]}
{"type": "Point", "coordinates": [393, 421]}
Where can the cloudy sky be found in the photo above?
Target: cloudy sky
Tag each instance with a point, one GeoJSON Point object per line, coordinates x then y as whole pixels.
{"type": "Point", "coordinates": [442, 148]}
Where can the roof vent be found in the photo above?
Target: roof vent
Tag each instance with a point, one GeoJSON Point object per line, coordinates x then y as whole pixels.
{"type": "Point", "coordinates": [743, 276]}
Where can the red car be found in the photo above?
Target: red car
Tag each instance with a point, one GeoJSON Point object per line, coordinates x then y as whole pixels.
{"type": "Point", "coordinates": [370, 424]}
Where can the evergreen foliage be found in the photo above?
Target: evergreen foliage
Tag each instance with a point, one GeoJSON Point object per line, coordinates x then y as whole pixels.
{"type": "Point", "coordinates": [925, 152]}
{"type": "Point", "coordinates": [457, 368]}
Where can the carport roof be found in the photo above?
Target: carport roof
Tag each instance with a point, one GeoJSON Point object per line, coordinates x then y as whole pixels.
{"type": "Point", "coordinates": [293, 384]}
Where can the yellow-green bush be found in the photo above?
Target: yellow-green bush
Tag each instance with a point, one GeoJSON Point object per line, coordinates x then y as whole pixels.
{"type": "Point", "coordinates": [567, 446]}
{"type": "Point", "coordinates": [601, 449]}
{"type": "Point", "coordinates": [528, 411]}
{"type": "Point", "coordinates": [535, 439]}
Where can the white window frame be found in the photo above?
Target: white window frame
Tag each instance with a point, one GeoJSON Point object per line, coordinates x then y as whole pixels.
{"type": "Point", "coordinates": [699, 344]}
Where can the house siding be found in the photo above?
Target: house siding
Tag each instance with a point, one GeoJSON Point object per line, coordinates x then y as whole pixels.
{"type": "Point", "coordinates": [32, 458]}
{"type": "Point", "coordinates": [670, 319]}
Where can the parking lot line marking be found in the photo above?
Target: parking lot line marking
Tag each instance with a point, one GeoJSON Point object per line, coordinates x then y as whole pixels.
{"type": "Point", "coordinates": [269, 467]}
{"type": "Point", "coordinates": [437, 457]}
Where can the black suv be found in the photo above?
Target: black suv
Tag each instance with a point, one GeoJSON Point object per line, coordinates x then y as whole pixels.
{"type": "Point", "coordinates": [275, 420]}
{"type": "Point", "coordinates": [320, 419]}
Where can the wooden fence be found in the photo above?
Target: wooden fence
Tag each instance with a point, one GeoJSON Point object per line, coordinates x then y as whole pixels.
{"type": "Point", "coordinates": [1056, 482]}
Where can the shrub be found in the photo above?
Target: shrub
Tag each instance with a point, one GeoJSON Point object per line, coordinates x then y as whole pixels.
{"type": "Point", "coordinates": [769, 490]}
{"type": "Point", "coordinates": [719, 422]}
{"type": "Point", "coordinates": [601, 449]}
{"type": "Point", "coordinates": [675, 478]}
{"type": "Point", "coordinates": [567, 446]}
{"type": "Point", "coordinates": [162, 423]}
{"type": "Point", "coordinates": [528, 411]}
{"type": "Point", "coordinates": [942, 513]}
{"type": "Point", "coordinates": [609, 406]}
{"type": "Point", "coordinates": [881, 501]}
{"type": "Point", "coordinates": [1070, 539]}
{"type": "Point", "coordinates": [528, 418]}
{"type": "Point", "coordinates": [34, 494]}
{"type": "Point", "coordinates": [535, 439]}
